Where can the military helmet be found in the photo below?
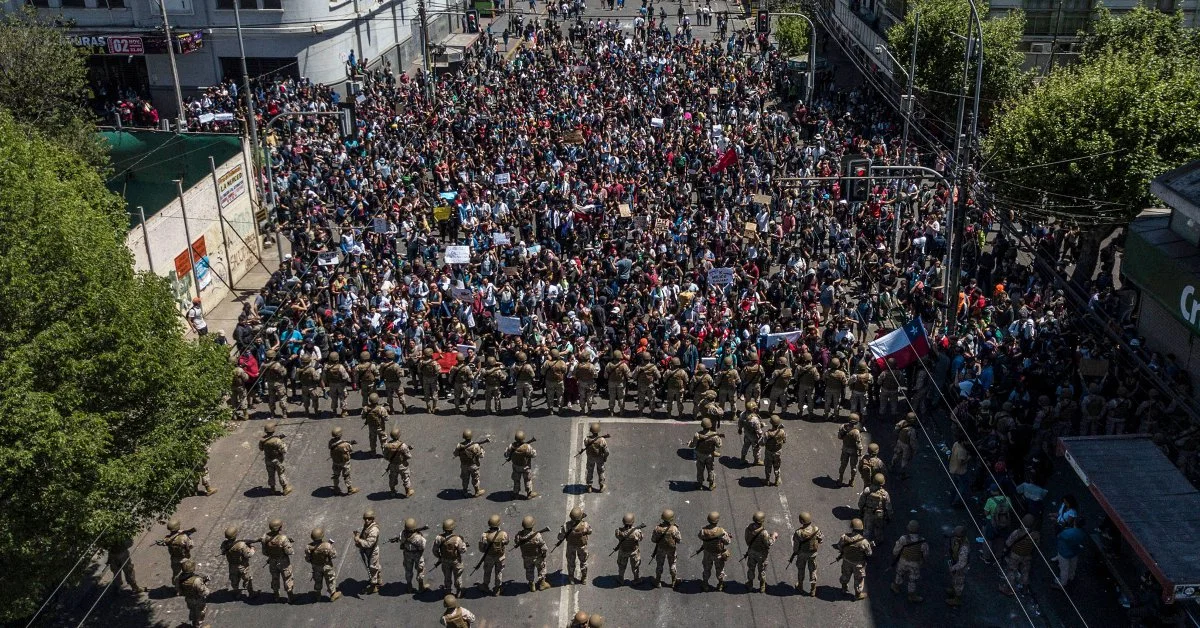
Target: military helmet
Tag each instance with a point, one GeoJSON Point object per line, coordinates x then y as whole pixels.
{"type": "Point", "coordinates": [272, 354]}
{"type": "Point", "coordinates": [395, 433]}
{"type": "Point", "coordinates": [805, 518]}
{"type": "Point", "coordinates": [448, 525]}
{"type": "Point", "coordinates": [188, 565]}
{"type": "Point", "coordinates": [373, 398]}
{"type": "Point", "coordinates": [468, 434]}
{"type": "Point", "coordinates": [728, 361]}
{"type": "Point", "coordinates": [554, 354]}
{"type": "Point", "coordinates": [275, 525]}
{"type": "Point", "coordinates": [521, 357]}
{"type": "Point", "coordinates": [231, 532]}
{"type": "Point", "coordinates": [617, 355]}
{"type": "Point", "coordinates": [675, 362]}
{"type": "Point", "coordinates": [318, 534]}
{"type": "Point", "coordinates": [364, 356]}
{"type": "Point", "coordinates": [368, 515]}
{"type": "Point", "coordinates": [333, 356]}
{"type": "Point", "coordinates": [879, 479]}
{"type": "Point", "coordinates": [668, 515]}
{"type": "Point", "coordinates": [582, 617]}
{"type": "Point", "coordinates": [645, 358]}
{"type": "Point", "coordinates": [776, 420]}
{"type": "Point", "coordinates": [783, 361]}
{"type": "Point", "coordinates": [494, 521]}
{"type": "Point", "coordinates": [528, 522]}
{"type": "Point", "coordinates": [960, 531]}
{"type": "Point", "coordinates": [861, 366]}
{"type": "Point", "coordinates": [491, 361]}
{"type": "Point", "coordinates": [854, 434]}
{"type": "Point", "coordinates": [627, 519]}
{"type": "Point", "coordinates": [855, 417]}
{"type": "Point", "coordinates": [911, 416]}
{"type": "Point", "coordinates": [754, 358]}
{"type": "Point", "coordinates": [700, 368]}
{"type": "Point", "coordinates": [450, 601]}
{"type": "Point", "coordinates": [706, 424]}
{"type": "Point", "coordinates": [913, 526]}
{"type": "Point", "coordinates": [873, 448]}
{"type": "Point", "coordinates": [596, 622]}
{"type": "Point", "coordinates": [389, 354]}
{"type": "Point", "coordinates": [306, 359]}
{"type": "Point", "coordinates": [428, 352]}
{"type": "Point", "coordinates": [336, 432]}
{"type": "Point", "coordinates": [714, 517]}
{"type": "Point", "coordinates": [835, 363]}
{"type": "Point", "coordinates": [594, 428]}
{"type": "Point", "coordinates": [751, 405]}
{"type": "Point", "coordinates": [410, 524]}
{"type": "Point", "coordinates": [173, 525]}
{"type": "Point", "coordinates": [710, 394]}
{"type": "Point", "coordinates": [856, 524]}
{"type": "Point", "coordinates": [760, 517]}
{"type": "Point", "coordinates": [576, 513]}
{"type": "Point", "coordinates": [1028, 521]}
{"type": "Point", "coordinates": [519, 436]}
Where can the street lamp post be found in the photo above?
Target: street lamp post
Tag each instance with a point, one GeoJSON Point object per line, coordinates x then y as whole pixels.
{"type": "Point", "coordinates": [958, 193]}
{"type": "Point", "coordinates": [906, 110]}
{"type": "Point", "coordinates": [251, 119]}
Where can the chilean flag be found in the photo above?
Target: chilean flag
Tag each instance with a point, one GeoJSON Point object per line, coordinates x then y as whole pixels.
{"type": "Point", "coordinates": [905, 345]}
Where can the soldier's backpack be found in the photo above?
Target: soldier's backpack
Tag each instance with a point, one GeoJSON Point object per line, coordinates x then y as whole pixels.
{"type": "Point", "coordinates": [273, 447]}
{"type": "Point", "coordinates": [276, 546]}
{"type": "Point", "coordinates": [1002, 516]}
{"type": "Point", "coordinates": [192, 586]}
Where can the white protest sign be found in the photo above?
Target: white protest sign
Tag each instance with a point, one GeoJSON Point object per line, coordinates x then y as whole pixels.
{"type": "Point", "coordinates": [510, 325]}
{"type": "Point", "coordinates": [380, 225]}
{"type": "Point", "coordinates": [720, 276]}
{"type": "Point", "coordinates": [709, 363]}
{"type": "Point", "coordinates": [503, 178]}
{"type": "Point", "coordinates": [656, 123]}
{"type": "Point", "coordinates": [458, 254]}
{"type": "Point", "coordinates": [500, 238]}
{"type": "Point", "coordinates": [328, 258]}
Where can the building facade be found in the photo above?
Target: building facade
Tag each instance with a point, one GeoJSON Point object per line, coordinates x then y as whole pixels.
{"type": "Point", "coordinates": [301, 38]}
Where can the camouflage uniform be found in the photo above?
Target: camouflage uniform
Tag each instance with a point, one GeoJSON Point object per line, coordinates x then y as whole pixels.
{"type": "Point", "coordinates": [910, 550]}
{"type": "Point", "coordinates": [429, 370]}
{"type": "Point", "coordinates": [585, 374]}
{"type": "Point", "coordinates": [666, 539]}
{"type": "Point", "coordinates": [274, 450]}
{"type": "Point", "coordinates": [278, 549]}
{"type": "Point", "coordinates": [576, 532]}
{"type": "Point", "coordinates": [875, 505]}
{"type": "Point", "coordinates": [646, 375]}
{"type": "Point", "coordinates": [728, 381]}
{"type": "Point", "coordinates": [494, 377]}
{"type": "Point", "coordinates": [393, 384]}
{"type": "Point", "coordinates": [462, 382]}
{"type": "Point", "coordinates": [773, 441]}
{"type": "Point", "coordinates": [449, 548]}
{"type": "Point", "coordinates": [524, 374]}
{"type": "Point", "coordinates": [366, 374]}
{"type": "Point", "coordinates": [835, 387]}
{"type": "Point", "coordinates": [805, 542]}
{"type": "Point", "coordinates": [554, 371]}
{"type": "Point", "coordinates": [335, 378]}
{"type": "Point", "coordinates": [492, 545]}
{"type": "Point", "coordinates": [521, 454]}
{"type": "Point", "coordinates": [855, 550]}
{"type": "Point", "coordinates": [237, 554]}
{"type": "Point", "coordinates": [321, 554]}
{"type": "Point", "coordinates": [751, 430]}
{"type": "Point", "coordinates": [618, 374]}
{"type": "Point", "coordinates": [781, 380]}
{"type": "Point", "coordinates": [339, 453]}
{"type": "Point", "coordinates": [677, 381]}
{"type": "Point", "coordinates": [716, 542]}
{"type": "Point", "coordinates": [469, 456]}
{"type": "Point", "coordinates": [758, 547]}
{"type": "Point", "coordinates": [533, 555]}
{"type": "Point", "coordinates": [629, 553]}
{"type": "Point", "coordinates": [275, 374]}
{"type": "Point", "coordinates": [707, 445]}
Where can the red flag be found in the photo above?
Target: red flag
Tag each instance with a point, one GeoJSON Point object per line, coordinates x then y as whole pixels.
{"type": "Point", "coordinates": [728, 159]}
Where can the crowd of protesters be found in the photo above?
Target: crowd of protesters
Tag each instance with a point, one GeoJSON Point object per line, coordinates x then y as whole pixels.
{"type": "Point", "coordinates": [597, 184]}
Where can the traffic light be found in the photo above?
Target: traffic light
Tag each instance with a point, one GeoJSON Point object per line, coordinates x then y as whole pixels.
{"type": "Point", "coordinates": [472, 21]}
{"type": "Point", "coordinates": [857, 183]}
{"type": "Point", "coordinates": [764, 23]}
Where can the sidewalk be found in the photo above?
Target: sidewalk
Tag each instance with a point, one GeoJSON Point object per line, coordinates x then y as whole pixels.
{"type": "Point", "coordinates": [224, 317]}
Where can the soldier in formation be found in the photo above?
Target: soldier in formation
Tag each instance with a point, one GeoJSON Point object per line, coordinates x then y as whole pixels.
{"type": "Point", "coordinates": [910, 552]}
{"type": "Point", "coordinates": [835, 387]}
{"type": "Point", "coordinates": [666, 538]}
{"type": "Point", "coordinates": [728, 381]}
{"type": "Point", "coordinates": [871, 463]}
{"type": "Point", "coordinates": [554, 371]}
{"type": "Point", "coordinates": [575, 532]}
{"type": "Point", "coordinates": [412, 545]}
{"type": "Point", "coordinates": [321, 554]}
{"type": "Point", "coordinates": [523, 374]}
{"type": "Point", "coordinates": [852, 449]}
{"type": "Point", "coordinates": [752, 377]}
{"type": "Point", "coordinates": [521, 454]}
{"type": "Point", "coordinates": [860, 388]}
{"type": "Point", "coordinates": [701, 384]}
{"type": "Point", "coordinates": [758, 546]}
{"type": "Point", "coordinates": [959, 562]}
{"type": "Point", "coordinates": [469, 454]}
{"type": "Point", "coordinates": [179, 547]}
{"type": "Point", "coordinates": [875, 506]}
{"type": "Point", "coordinates": [492, 544]}
{"type": "Point", "coordinates": [805, 542]}
{"type": "Point", "coordinates": [310, 386]}
{"type": "Point", "coordinates": [629, 543]}
{"type": "Point", "coordinates": [715, 542]}
{"type": "Point", "coordinates": [707, 444]}
{"type": "Point", "coordinates": [595, 448]}
{"type": "Point", "coordinates": [646, 375]}
{"type": "Point", "coordinates": [751, 430]}
{"type": "Point", "coordinates": [275, 375]}
{"type": "Point", "coordinates": [375, 419]}
{"type": "Point", "coordinates": [905, 444]}
{"type": "Point", "coordinates": [334, 379]}
{"type": "Point", "coordinates": [367, 542]}
{"type": "Point", "coordinates": [429, 370]}
{"type": "Point", "coordinates": [807, 377]}
{"type": "Point", "coordinates": [366, 376]}
{"type": "Point", "coordinates": [274, 451]}
{"type": "Point", "coordinates": [781, 380]}
{"type": "Point", "coordinates": [494, 377]}
{"type": "Point", "coordinates": [398, 455]}
{"type": "Point", "coordinates": [462, 383]}
{"type": "Point", "coordinates": [585, 373]}
{"type": "Point", "coordinates": [340, 450]}
{"type": "Point", "coordinates": [533, 554]}
{"type": "Point", "coordinates": [773, 442]}
{"type": "Point", "coordinates": [237, 553]}
{"type": "Point", "coordinates": [890, 382]}
{"type": "Point", "coordinates": [709, 409]}
{"type": "Point", "coordinates": [454, 615]}
{"type": "Point", "coordinates": [854, 550]}
{"type": "Point", "coordinates": [393, 382]}
{"type": "Point", "coordinates": [194, 588]}
{"type": "Point", "coordinates": [278, 549]}
{"type": "Point", "coordinates": [120, 563]}
{"type": "Point", "coordinates": [617, 373]}
{"type": "Point", "coordinates": [239, 391]}
{"type": "Point", "coordinates": [449, 549]}
{"type": "Point", "coordinates": [677, 381]}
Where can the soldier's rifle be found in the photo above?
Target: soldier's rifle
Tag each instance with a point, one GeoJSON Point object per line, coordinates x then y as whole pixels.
{"type": "Point", "coordinates": [521, 541]}
{"type": "Point", "coordinates": [187, 531]}
{"type": "Point", "coordinates": [760, 532]}
{"type": "Point", "coordinates": [639, 527]}
{"type": "Point", "coordinates": [839, 557]}
{"type": "Point", "coordinates": [472, 443]}
{"type": "Point", "coordinates": [508, 454]}
{"type": "Point", "coordinates": [225, 552]}
{"type": "Point", "coordinates": [399, 538]}
{"type": "Point", "coordinates": [896, 558]}
{"type": "Point", "coordinates": [790, 559]}
{"type": "Point", "coordinates": [585, 446]}
{"type": "Point", "coordinates": [569, 531]}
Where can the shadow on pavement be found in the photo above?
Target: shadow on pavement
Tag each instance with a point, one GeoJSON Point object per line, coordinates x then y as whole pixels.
{"type": "Point", "coordinates": [824, 481]}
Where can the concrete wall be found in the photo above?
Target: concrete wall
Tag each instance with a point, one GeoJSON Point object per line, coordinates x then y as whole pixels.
{"type": "Point", "coordinates": [1165, 334]}
{"type": "Point", "coordinates": [230, 253]}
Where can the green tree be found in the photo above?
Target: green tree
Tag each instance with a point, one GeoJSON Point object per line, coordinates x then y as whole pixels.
{"type": "Point", "coordinates": [1086, 142]}
{"type": "Point", "coordinates": [792, 33]}
{"type": "Point", "coordinates": [940, 56]}
{"type": "Point", "coordinates": [106, 411]}
{"type": "Point", "coordinates": [43, 82]}
{"type": "Point", "coordinates": [1142, 29]}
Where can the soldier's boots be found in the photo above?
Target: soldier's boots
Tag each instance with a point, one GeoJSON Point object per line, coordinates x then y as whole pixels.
{"type": "Point", "coordinates": [861, 595]}
{"type": "Point", "coordinates": [287, 490]}
{"type": "Point", "coordinates": [480, 492]}
{"type": "Point", "coordinates": [954, 600]}
{"type": "Point", "coordinates": [496, 591]}
{"type": "Point", "coordinates": [720, 585]}
{"type": "Point", "coordinates": [532, 495]}
{"type": "Point", "coordinates": [409, 492]}
{"type": "Point", "coordinates": [209, 492]}
{"type": "Point", "coordinates": [706, 587]}
{"type": "Point", "coordinates": [371, 588]}
{"type": "Point", "coordinates": [350, 490]}
{"type": "Point", "coordinates": [335, 596]}
{"type": "Point", "coordinates": [762, 586]}
{"type": "Point", "coordinates": [812, 589]}
{"type": "Point", "coordinates": [674, 582]}
{"type": "Point", "coordinates": [533, 587]}
{"type": "Point", "coordinates": [543, 584]}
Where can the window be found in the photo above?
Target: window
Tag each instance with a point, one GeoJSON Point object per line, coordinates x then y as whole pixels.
{"type": "Point", "coordinates": [73, 4]}
{"type": "Point", "coordinates": [1057, 17]}
{"type": "Point", "coordinates": [45, 4]}
{"type": "Point", "coordinates": [250, 5]}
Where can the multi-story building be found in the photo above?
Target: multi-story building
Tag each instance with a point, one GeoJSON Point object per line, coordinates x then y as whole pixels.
{"type": "Point", "coordinates": [309, 38]}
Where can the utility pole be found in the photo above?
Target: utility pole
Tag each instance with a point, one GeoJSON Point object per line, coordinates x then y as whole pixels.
{"type": "Point", "coordinates": [1054, 40]}
{"type": "Point", "coordinates": [251, 119]}
{"type": "Point", "coordinates": [425, 49]}
{"type": "Point", "coordinates": [962, 149]}
{"type": "Point", "coordinates": [908, 109]}
{"type": "Point", "coordinates": [182, 115]}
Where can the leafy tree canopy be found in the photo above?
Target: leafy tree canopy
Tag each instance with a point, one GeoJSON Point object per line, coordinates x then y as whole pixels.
{"type": "Point", "coordinates": [792, 33]}
{"type": "Point", "coordinates": [1142, 30]}
{"type": "Point", "coordinates": [105, 410]}
{"type": "Point", "coordinates": [940, 55]}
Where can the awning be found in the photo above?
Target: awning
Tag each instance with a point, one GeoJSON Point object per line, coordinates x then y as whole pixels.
{"type": "Point", "coordinates": [1149, 500]}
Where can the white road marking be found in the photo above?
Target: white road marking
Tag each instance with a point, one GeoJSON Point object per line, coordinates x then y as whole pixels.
{"type": "Point", "coordinates": [568, 594]}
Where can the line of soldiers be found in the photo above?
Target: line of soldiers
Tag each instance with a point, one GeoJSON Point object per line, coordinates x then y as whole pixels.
{"type": "Point", "coordinates": [778, 380]}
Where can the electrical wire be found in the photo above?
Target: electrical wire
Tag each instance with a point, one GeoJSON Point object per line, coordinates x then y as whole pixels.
{"type": "Point", "coordinates": [1054, 163]}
